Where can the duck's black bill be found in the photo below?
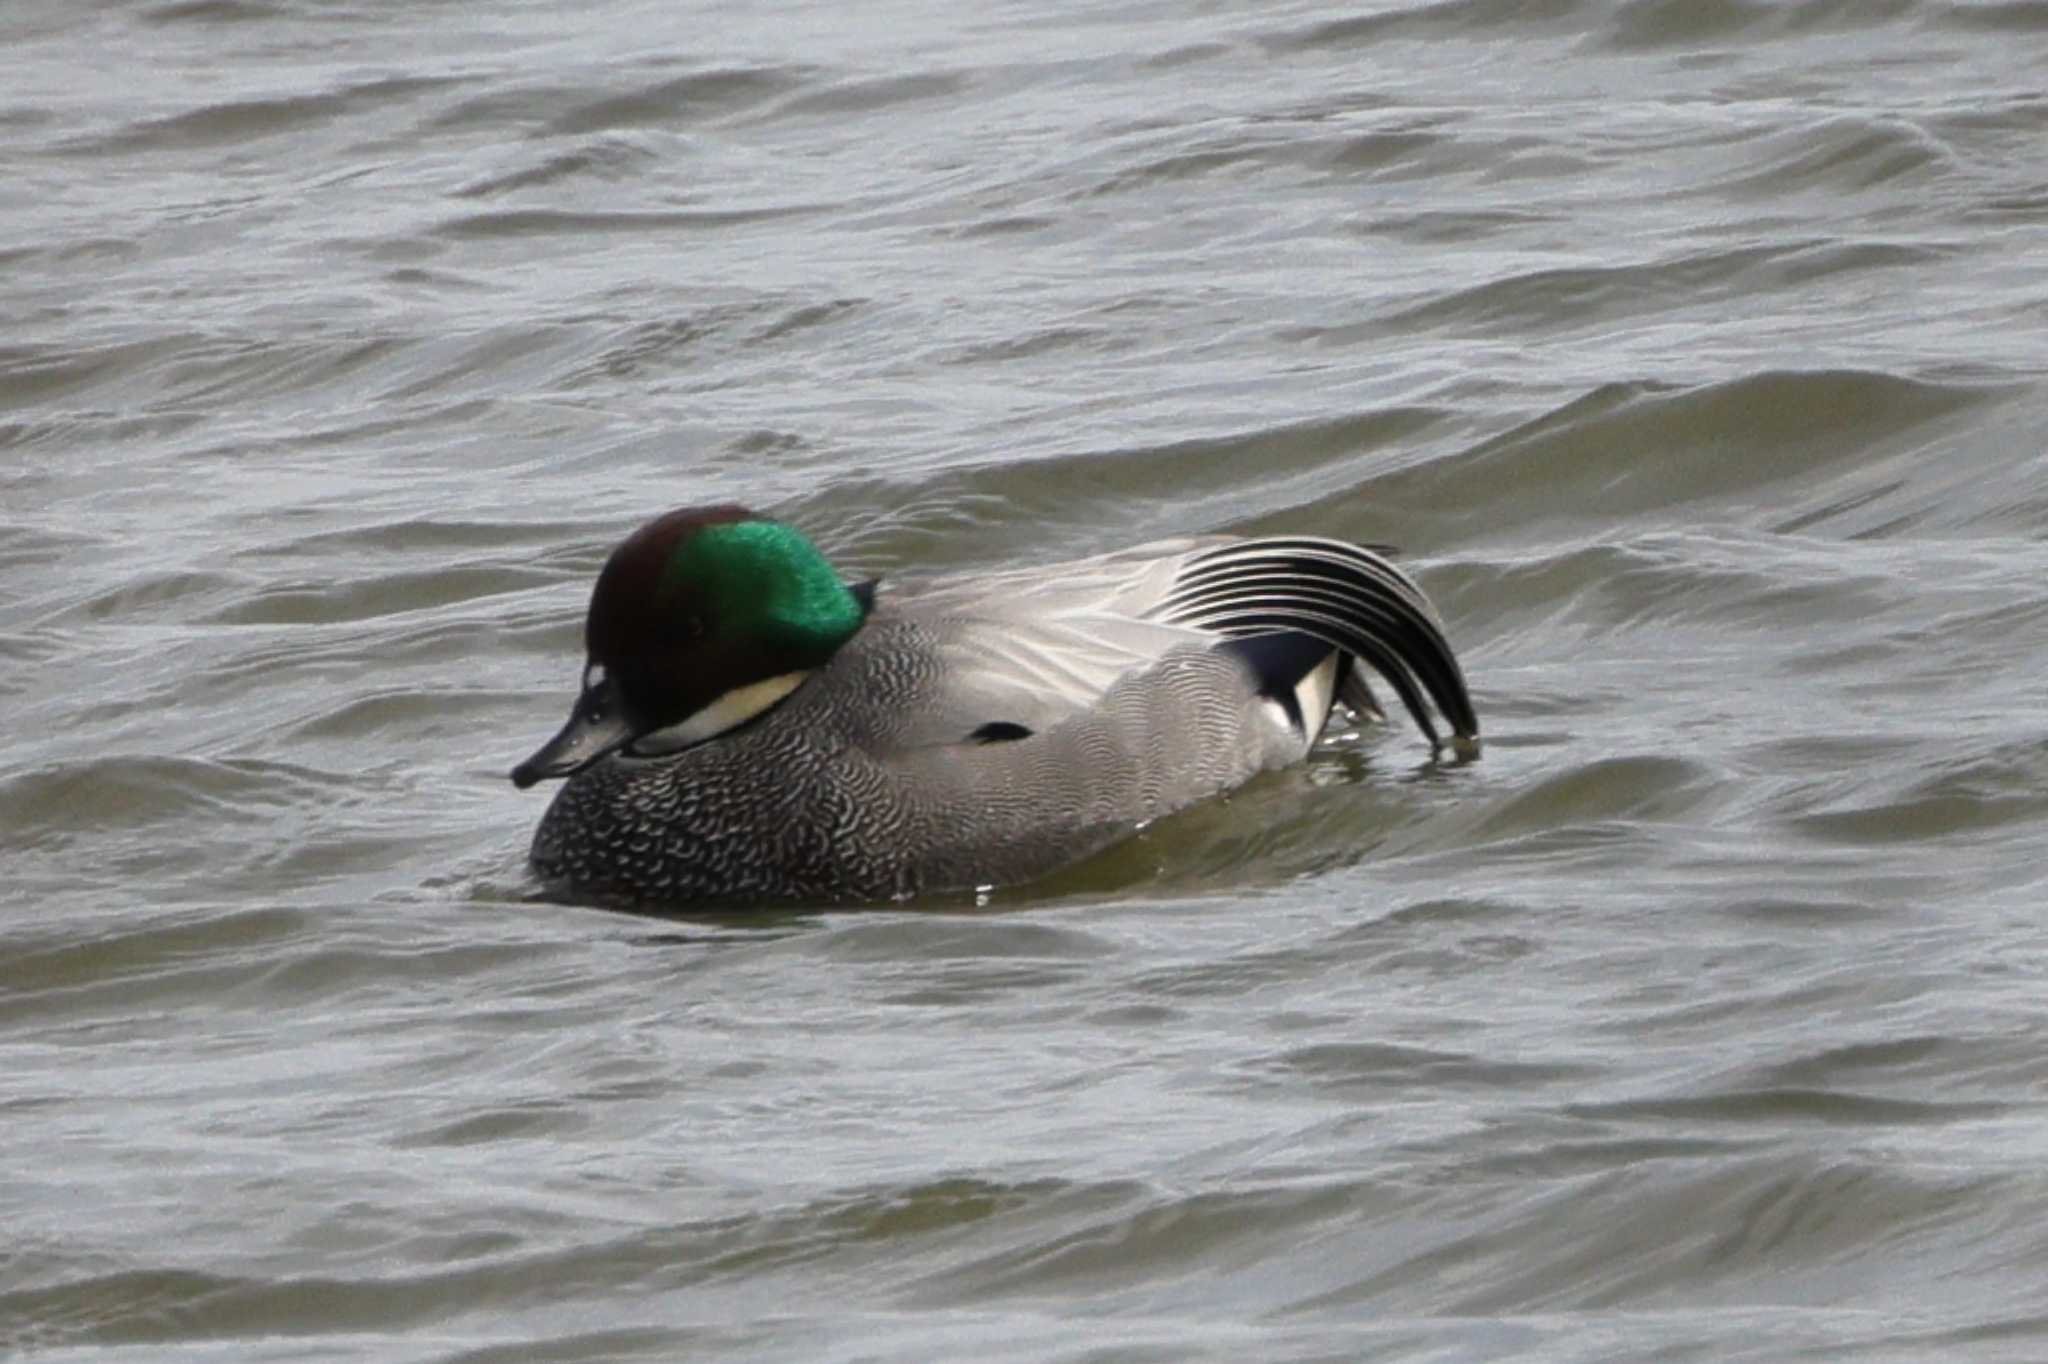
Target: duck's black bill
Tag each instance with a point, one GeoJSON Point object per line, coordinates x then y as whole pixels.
{"type": "Point", "coordinates": [595, 728]}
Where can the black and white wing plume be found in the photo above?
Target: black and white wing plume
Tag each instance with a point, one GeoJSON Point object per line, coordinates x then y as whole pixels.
{"type": "Point", "coordinates": [1350, 598]}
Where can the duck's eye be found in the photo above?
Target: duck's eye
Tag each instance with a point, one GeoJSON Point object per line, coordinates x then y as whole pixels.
{"type": "Point", "coordinates": [694, 627]}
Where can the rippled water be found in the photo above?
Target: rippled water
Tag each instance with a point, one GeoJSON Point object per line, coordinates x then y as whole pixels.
{"type": "Point", "coordinates": [1693, 350]}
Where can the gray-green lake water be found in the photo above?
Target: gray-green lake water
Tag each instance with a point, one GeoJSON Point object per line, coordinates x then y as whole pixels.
{"type": "Point", "coordinates": [1695, 353]}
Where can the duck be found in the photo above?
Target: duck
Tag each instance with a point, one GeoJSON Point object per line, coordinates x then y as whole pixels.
{"type": "Point", "coordinates": [753, 727]}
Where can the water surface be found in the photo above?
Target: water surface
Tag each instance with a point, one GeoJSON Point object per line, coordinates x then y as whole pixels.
{"type": "Point", "coordinates": [1693, 353]}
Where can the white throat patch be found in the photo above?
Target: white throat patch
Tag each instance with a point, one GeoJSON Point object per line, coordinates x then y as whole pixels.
{"type": "Point", "coordinates": [728, 711]}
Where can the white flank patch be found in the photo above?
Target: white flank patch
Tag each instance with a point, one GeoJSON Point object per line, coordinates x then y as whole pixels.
{"type": "Point", "coordinates": [1316, 693]}
{"type": "Point", "coordinates": [730, 710]}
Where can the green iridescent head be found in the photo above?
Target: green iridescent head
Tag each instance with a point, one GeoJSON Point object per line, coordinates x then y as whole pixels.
{"type": "Point", "coordinates": [701, 612]}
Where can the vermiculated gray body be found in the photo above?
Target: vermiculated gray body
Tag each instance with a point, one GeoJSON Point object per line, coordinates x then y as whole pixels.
{"type": "Point", "coordinates": [830, 796]}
